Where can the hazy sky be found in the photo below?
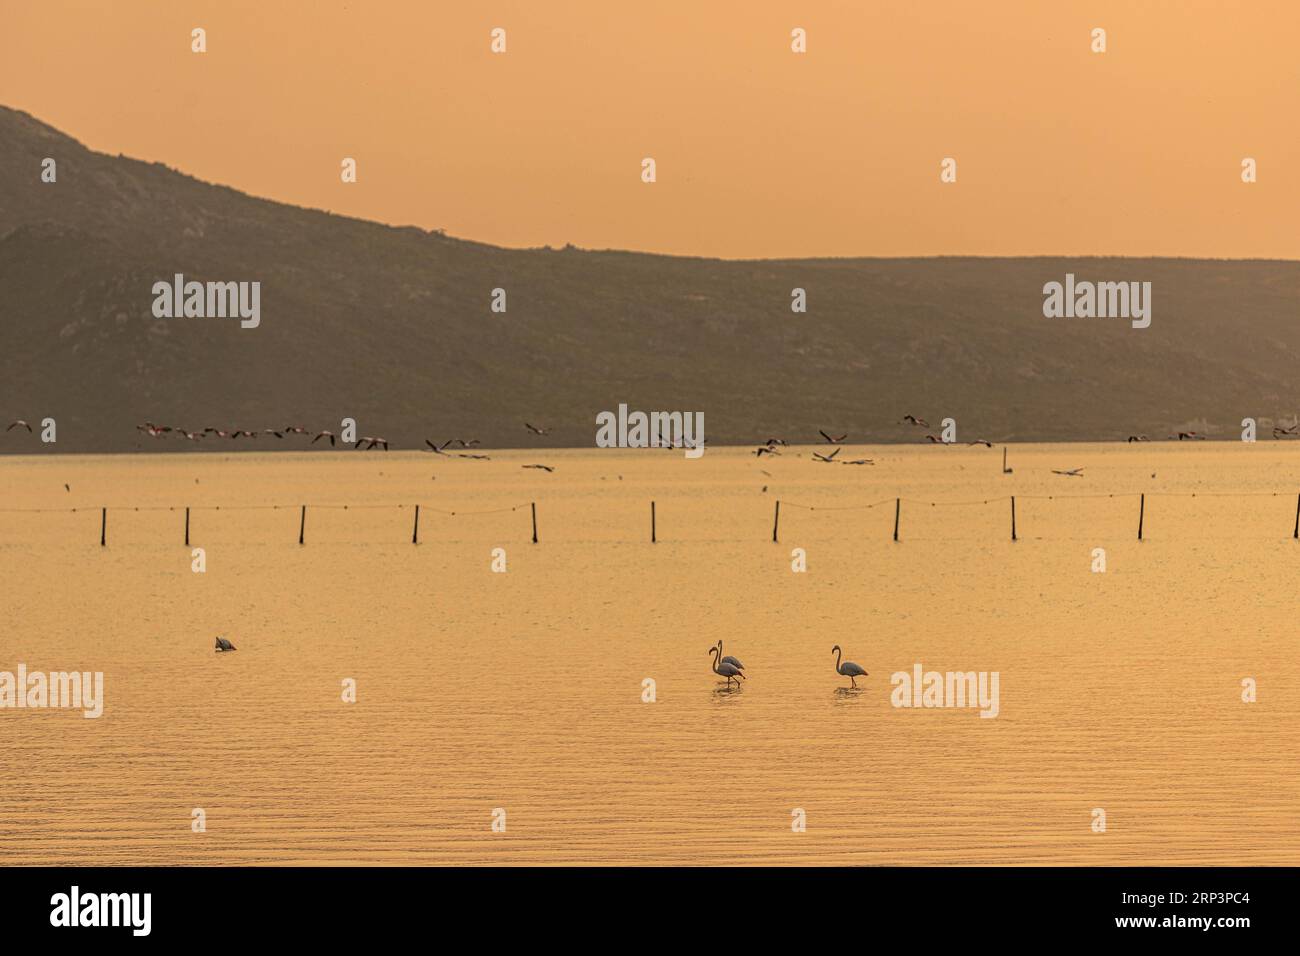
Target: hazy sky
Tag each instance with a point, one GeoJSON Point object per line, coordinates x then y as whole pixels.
{"type": "Point", "coordinates": [760, 151]}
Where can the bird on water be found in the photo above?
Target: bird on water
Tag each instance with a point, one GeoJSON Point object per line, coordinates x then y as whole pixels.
{"type": "Point", "coordinates": [848, 669]}
{"type": "Point", "coordinates": [730, 660]}
{"type": "Point", "coordinates": [729, 671]}
{"type": "Point", "coordinates": [225, 645]}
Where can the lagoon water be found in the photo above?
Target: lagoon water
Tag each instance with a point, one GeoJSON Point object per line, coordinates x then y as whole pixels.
{"type": "Point", "coordinates": [523, 691]}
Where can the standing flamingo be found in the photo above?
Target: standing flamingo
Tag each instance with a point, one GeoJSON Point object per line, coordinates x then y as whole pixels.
{"type": "Point", "coordinates": [729, 671]}
{"type": "Point", "coordinates": [730, 660]}
{"type": "Point", "coordinates": [849, 669]}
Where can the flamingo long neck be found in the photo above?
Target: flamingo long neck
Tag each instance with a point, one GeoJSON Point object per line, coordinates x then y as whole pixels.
{"type": "Point", "coordinates": [716, 656]}
{"type": "Point", "coordinates": [838, 655]}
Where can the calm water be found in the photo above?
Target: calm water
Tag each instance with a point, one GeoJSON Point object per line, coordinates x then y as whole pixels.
{"type": "Point", "coordinates": [478, 690]}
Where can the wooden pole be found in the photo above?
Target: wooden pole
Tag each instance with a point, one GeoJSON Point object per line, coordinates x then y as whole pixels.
{"type": "Point", "coordinates": [415, 532]}
{"type": "Point", "coordinates": [302, 524]}
{"type": "Point", "coordinates": [897, 507]}
{"type": "Point", "coordinates": [1142, 510]}
{"type": "Point", "coordinates": [187, 527]}
{"type": "Point", "coordinates": [534, 504]}
{"type": "Point", "coordinates": [776, 519]}
{"type": "Point", "coordinates": [1013, 517]}
{"type": "Point", "coordinates": [1296, 532]}
{"type": "Point", "coordinates": [103, 526]}
{"type": "Point", "coordinates": [652, 522]}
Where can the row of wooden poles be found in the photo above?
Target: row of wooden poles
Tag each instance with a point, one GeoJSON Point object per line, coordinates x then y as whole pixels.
{"type": "Point", "coordinates": [302, 525]}
{"type": "Point", "coordinates": [898, 510]}
{"type": "Point", "coordinates": [776, 522]}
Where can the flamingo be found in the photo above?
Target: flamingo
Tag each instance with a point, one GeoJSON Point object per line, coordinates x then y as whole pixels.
{"type": "Point", "coordinates": [849, 669]}
{"type": "Point", "coordinates": [372, 442]}
{"type": "Point", "coordinates": [546, 468]}
{"type": "Point", "coordinates": [729, 671]}
{"type": "Point", "coordinates": [832, 440]}
{"type": "Point", "coordinates": [859, 461]}
{"type": "Point", "coordinates": [225, 645]}
{"type": "Point", "coordinates": [826, 458]}
{"type": "Point", "coordinates": [981, 441]}
{"type": "Point", "coordinates": [534, 429]}
{"type": "Point", "coordinates": [329, 435]}
{"type": "Point", "coordinates": [762, 450]}
{"type": "Point", "coordinates": [730, 660]}
{"type": "Point", "coordinates": [918, 422]}
{"type": "Point", "coordinates": [1071, 473]}
{"type": "Point", "coordinates": [1133, 438]}
{"type": "Point", "coordinates": [220, 433]}
{"type": "Point", "coordinates": [16, 424]}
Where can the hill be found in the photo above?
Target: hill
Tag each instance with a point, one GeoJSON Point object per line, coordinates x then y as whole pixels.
{"type": "Point", "coordinates": [392, 326]}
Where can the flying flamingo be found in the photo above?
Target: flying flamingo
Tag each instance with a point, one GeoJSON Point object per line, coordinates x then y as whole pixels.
{"type": "Point", "coordinates": [829, 438]}
{"type": "Point", "coordinates": [329, 435]}
{"type": "Point", "coordinates": [918, 422]}
{"type": "Point", "coordinates": [534, 429]}
{"type": "Point", "coordinates": [372, 442]}
{"type": "Point", "coordinates": [17, 423]}
{"type": "Point", "coordinates": [849, 669]}
{"type": "Point", "coordinates": [729, 671]}
{"type": "Point", "coordinates": [826, 458]}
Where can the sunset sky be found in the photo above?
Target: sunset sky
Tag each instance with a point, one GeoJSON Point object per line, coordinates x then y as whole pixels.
{"type": "Point", "coordinates": [760, 151]}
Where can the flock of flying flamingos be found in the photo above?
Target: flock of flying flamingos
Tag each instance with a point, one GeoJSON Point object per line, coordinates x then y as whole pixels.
{"type": "Point", "coordinates": [772, 446]}
{"type": "Point", "coordinates": [366, 442]}
{"type": "Point", "coordinates": [730, 668]}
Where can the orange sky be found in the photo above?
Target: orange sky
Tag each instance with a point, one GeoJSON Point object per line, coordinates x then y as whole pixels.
{"type": "Point", "coordinates": [760, 152]}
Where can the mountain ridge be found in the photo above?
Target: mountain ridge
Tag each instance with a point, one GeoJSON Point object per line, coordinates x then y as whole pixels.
{"type": "Point", "coordinates": [391, 325]}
